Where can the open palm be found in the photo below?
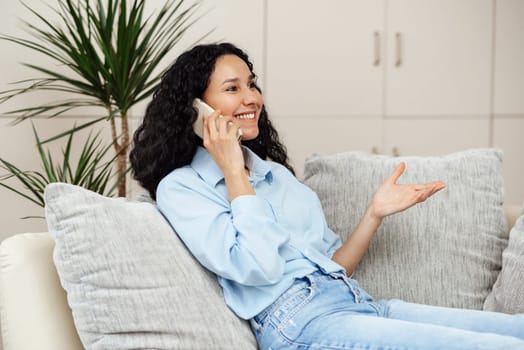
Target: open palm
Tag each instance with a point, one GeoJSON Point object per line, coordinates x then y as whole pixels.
{"type": "Point", "coordinates": [392, 198]}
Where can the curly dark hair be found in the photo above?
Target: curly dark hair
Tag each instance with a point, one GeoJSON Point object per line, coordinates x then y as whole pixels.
{"type": "Point", "coordinates": [165, 140]}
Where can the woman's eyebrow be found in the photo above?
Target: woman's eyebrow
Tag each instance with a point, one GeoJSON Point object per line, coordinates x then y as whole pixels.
{"type": "Point", "coordinates": [230, 80]}
{"type": "Point", "coordinates": [236, 80]}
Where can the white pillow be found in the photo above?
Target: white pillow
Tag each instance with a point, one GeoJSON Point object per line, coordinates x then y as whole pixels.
{"type": "Point", "coordinates": [508, 292]}
{"type": "Point", "coordinates": [445, 251]}
{"type": "Point", "coordinates": [130, 281]}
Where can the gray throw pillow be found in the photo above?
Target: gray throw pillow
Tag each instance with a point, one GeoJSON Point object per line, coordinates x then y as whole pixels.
{"type": "Point", "coordinates": [130, 282]}
{"type": "Point", "coordinates": [445, 251]}
{"type": "Point", "coordinates": [508, 292]}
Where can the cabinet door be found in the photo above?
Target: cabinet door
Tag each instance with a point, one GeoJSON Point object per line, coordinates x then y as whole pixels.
{"type": "Point", "coordinates": [431, 137]}
{"type": "Point", "coordinates": [304, 137]}
{"type": "Point", "coordinates": [439, 58]}
{"type": "Point", "coordinates": [509, 58]}
{"type": "Point", "coordinates": [324, 58]}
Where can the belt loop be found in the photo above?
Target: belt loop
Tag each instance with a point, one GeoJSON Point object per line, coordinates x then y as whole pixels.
{"type": "Point", "coordinates": [312, 277]}
{"type": "Point", "coordinates": [347, 281]}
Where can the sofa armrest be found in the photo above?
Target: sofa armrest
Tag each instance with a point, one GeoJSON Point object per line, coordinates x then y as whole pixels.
{"type": "Point", "coordinates": [33, 305]}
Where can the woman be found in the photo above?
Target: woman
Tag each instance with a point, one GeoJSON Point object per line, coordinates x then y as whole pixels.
{"type": "Point", "coordinates": [244, 216]}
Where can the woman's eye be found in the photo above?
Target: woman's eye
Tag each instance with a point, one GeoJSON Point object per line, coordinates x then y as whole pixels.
{"type": "Point", "coordinates": [253, 85]}
{"type": "Point", "coordinates": [231, 88]}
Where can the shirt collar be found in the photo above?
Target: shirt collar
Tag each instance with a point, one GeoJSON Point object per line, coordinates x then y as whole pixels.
{"type": "Point", "coordinates": [204, 164]}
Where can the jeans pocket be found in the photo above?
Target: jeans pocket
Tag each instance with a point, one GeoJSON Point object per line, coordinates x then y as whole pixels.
{"type": "Point", "coordinates": [287, 318]}
{"type": "Point", "coordinates": [261, 322]}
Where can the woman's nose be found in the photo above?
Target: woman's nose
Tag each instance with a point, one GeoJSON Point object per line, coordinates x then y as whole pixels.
{"type": "Point", "coordinates": [251, 96]}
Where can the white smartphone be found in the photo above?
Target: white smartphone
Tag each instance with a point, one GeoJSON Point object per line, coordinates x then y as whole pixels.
{"type": "Point", "coordinates": [205, 109]}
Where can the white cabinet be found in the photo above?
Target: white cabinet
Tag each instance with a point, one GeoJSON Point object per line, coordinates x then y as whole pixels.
{"type": "Point", "coordinates": [324, 58]}
{"type": "Point", "coordinates": [417, 71]}
{"type": "Point", "coordinates": [509, 58]}
{"type": "Point", "coordinates": [508, 102]}
{"type": "Point", "coordinates": [324, 75]}
{"type": "Point", "coordinates": [423, 58]}
{"type": "Point", "coordinates": [439, 58]}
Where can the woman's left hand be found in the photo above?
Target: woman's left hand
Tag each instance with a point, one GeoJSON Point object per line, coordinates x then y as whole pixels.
{"type": "Point", "coordinates": [392, 198]}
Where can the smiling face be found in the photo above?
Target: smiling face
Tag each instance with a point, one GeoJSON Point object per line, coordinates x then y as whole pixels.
{"type": "Point", "coordinates": [232, 89]}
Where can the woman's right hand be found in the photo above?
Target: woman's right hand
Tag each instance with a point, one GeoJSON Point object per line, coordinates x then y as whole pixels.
{"type": "Point", "coordinates": [220, 140]}
{"type": "Point", "coordinates": [392, 197]}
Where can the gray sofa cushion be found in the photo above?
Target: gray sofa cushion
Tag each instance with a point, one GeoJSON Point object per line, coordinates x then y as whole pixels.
{"type": "Point", "coordinates": [508, 292]}
{"type": "Point", "coordinates": [445, 251]}
{"type": "Point", "coordinates": [130, 281]}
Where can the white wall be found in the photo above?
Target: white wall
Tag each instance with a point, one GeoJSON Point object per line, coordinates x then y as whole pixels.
{"type": "Point", "coordinates": [240, 21]}
{"type": "Point", "coordinates": [222, 17]}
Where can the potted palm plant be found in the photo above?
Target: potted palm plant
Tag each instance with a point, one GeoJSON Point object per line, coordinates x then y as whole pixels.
{"type": "Point", "coordinates": [111, 51]}
{"type": "Point", "coordinates": [93, 169]}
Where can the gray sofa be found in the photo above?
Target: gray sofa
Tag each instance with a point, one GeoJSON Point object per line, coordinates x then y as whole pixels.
{"type": "Point", "coordinates": [131, 284]}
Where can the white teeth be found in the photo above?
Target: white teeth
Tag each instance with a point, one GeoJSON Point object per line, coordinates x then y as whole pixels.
{"type": "Point", "coordinates": [246, 116]}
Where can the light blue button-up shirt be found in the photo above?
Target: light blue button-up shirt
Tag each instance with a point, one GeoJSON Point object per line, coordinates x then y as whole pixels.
{"type": "Point", "coordinates": [256, 244]}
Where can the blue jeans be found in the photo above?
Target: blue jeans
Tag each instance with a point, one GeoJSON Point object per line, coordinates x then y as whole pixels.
{"type": "Point", "coordinates": [323, 311]}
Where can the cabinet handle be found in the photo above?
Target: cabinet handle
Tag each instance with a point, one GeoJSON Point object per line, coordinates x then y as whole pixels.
{"type": "Point", "coordinates": [398, 42]}
{"type": "Point", "coordinates": [395, 152]}
{"type": "Point", "coordinates": [376, 36]}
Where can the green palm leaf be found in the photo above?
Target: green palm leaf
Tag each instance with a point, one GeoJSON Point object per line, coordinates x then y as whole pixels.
{"type": "Point", "coordinates": [107, 53]}
{"type": "Point", "coordinates": [93, 170]}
